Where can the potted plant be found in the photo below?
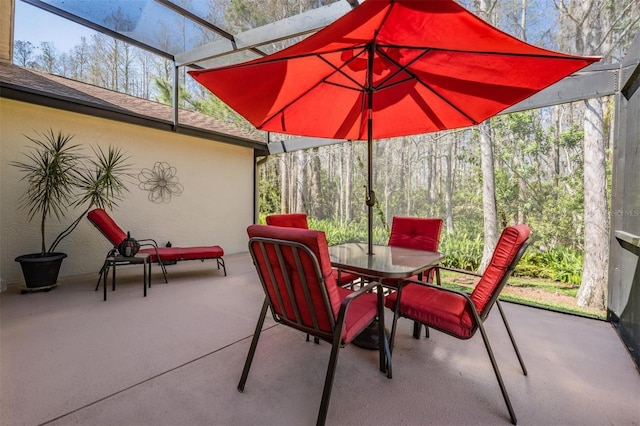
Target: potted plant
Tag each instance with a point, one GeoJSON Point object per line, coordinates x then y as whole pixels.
{"type": "Point", "coordinates": [61, 177]}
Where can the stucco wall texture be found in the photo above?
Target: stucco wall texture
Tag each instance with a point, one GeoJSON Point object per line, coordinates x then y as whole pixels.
{"type": "Point", "coordinates": [215, 207]}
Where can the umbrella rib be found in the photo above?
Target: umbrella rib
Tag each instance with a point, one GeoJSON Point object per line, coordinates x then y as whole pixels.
{"type": "Point", "coordinates": [323, 80]}
{"type": "Point", "coordinates": [403, 68]}
{"type": "Point", "coordinates": [431, 89]}
{"type": "Point", "coordinates": [339, 70]}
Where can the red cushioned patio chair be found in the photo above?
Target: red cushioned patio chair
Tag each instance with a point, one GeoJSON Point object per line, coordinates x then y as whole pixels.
{"type": "Point", "coordinates": [301, 291]}
{"type": "Point", "coordinates": [299, 220]}
{"type": "Point", "coordinates": [460, 314]}
{"type": "Point", "coordinates": [415, 233]}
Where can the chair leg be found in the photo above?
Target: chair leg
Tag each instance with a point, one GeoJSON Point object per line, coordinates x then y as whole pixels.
{"type": "Point", "coordinates": [394, 326]}
{"type": "Point", "coordinates": [416, 329]}
{"type": "Point", "coordinates": [254, 344]}
{"type": "Point", "coordinates": [105, 267]}
{"type": "Point", "coordinates": [164, 268]}
{"type": "Point", "coordinates": [513, 340]}
{"type": "Point", "coordinates": [385, 350]}
{"type": "Point", "coordinates": [221, 263]}
{"type": "Point", "coordinates": [328, 381]}
{"type": "Point", "coordinates": [496, 370]}
{"type": "Point", "coordinates": [316, 340]}
{"type": "Point", "coordinates": [103, 270]}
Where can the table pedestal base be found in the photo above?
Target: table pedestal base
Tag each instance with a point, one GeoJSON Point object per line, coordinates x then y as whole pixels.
{"type": "Point", "coordinates": [369, 337]}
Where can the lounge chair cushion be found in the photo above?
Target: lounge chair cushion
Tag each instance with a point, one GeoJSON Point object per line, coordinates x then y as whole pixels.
{"type": "Point", "coordinates": [184, 253]}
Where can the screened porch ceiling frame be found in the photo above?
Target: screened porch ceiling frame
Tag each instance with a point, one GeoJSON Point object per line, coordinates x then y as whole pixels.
{"type": "Point", "coordinates": [594, 81]}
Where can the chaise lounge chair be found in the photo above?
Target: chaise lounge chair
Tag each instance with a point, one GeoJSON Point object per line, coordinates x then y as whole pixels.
{"type": "Point", "coordinates": [112, 232]}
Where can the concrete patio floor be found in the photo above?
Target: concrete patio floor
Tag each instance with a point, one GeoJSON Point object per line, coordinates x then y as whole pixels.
{"type": "Point", "coordinates": [175, 358]}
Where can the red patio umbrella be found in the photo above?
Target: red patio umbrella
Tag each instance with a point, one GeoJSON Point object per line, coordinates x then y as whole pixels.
{"type": "Point", "coordinates": [389, 68]}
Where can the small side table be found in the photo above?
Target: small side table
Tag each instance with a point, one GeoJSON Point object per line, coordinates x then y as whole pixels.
{"type": "Point", "coordinates": [143, 259]}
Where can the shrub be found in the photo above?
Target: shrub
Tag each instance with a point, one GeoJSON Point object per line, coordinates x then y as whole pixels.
{"type": "Point", "coordinates": [463, 251]}
{"type": "Point", "coordinates": [557, 264]}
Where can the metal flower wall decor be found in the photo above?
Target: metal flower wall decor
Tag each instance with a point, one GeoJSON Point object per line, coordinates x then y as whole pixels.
{"type": "Point", "coordinates": [161, 182]}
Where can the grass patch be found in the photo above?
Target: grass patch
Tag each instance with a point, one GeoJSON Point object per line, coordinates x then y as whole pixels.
{"type": "Point", "coordinates": [542, 293]}
{"type": "Point", "coordinates": [553, 306]}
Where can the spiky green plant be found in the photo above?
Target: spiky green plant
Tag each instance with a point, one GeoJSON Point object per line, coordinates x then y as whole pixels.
{"type": "Point", "coordinates": [59, 177]}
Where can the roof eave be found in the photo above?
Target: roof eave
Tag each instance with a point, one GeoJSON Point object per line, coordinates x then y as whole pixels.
{"type": "Point", "coordinates": [37, 97]}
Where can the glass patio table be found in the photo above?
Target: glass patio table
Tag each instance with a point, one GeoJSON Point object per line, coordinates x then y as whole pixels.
{"type": "Point", "coordinates": [384, 262]}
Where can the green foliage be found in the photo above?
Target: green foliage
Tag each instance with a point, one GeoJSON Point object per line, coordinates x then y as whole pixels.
{"type": "Point", "coordinates": [571, 137]}
{"type": "Point", "coordinates": [269, 196]}
{"type": "Point", "coordinates": [244, 15]}
{"type": "Point", "coordinates": [354, 232]}
{"type": "Point", "coordinates": [463, 250]}
{"type": "Point", "coordinates": [558, 264]}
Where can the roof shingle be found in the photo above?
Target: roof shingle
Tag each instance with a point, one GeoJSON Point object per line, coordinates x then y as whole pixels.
{"type": "Point", "coordinates": [119, 104]}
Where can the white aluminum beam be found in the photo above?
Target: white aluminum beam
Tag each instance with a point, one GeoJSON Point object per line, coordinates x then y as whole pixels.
{"type": "Point", "coordinates": [592, 82]}
{"type": "Point", "coordinates": [630, 66]}
{"type": "Point", "coordinates": [296, 144]}
{"type": "Point", "coordinates": [293, 26]}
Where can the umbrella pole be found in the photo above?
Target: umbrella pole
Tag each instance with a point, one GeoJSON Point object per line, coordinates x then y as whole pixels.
{"type": "Point", "coordinates": [371, 195]}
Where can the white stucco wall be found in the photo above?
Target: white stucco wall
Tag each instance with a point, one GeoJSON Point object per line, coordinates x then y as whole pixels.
{"type": "Point", "coordinates": [215, 207]}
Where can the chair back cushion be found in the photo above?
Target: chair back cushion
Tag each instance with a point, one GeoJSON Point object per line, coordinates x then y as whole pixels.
{"type": "Point", "coordinates": [296, 273]}
{"type": "Point", "coordinates": [416, 233]}
{"type": "Point", "coordinates": [290, 220]}
{"type": "Point", "coordinates": [505, 258]}
{"type": "Point", "coordinates": [107, 226]}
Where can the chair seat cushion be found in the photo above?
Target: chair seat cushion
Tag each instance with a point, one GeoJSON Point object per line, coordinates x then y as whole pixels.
{"type": "Point", "coordinates": [442, 310]}
{"type": "Point", "coordinates": [362, 311]}
{"type": "Point", "coordinates": [185, 253]}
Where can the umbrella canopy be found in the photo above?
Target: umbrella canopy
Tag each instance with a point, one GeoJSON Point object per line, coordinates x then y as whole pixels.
{"type": "Point", "coordinates": [389, 68]}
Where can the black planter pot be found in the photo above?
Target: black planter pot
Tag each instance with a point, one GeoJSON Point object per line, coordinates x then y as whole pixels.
{"type": "Point", "coordinates": [40, 272]}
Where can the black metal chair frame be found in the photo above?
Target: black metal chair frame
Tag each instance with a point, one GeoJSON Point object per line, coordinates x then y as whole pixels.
{"type": "Point", "coordinates": [147, 242]}
{"type": "Point", "coordinates": [478, 318]}
{"type": "Point", "coordinates": [334, 337]}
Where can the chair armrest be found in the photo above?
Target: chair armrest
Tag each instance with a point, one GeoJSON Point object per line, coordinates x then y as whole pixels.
{"type": "Point", "coordinates": [148, 242]}
{"type": "Point", "coordinates": [361, 290]}
{"type": "Point", "coordinates": [434, 286]}
{"type": "Point", "coordinates": [459, 271]}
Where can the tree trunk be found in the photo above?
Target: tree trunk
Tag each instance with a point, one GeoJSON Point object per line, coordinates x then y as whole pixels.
{"type": "Point", "coordinates": [315, 207]}
{"type": "Point", "coordinates": [301, 180]}
{"type": "Point", "coordinates": [348, 174]}
{"type": "Point", "coordinates": [488, 196]}
{"type": "Point", "coordinates": [284, 183]}
{"type": "Point", "coordinates": [448, 186]}
{"type": "Point", "coordinates": [596, 234]}
{"type": "Point", "coordinates": [488, 173]}
{"type": "Point", "coordinates": [429, 177]}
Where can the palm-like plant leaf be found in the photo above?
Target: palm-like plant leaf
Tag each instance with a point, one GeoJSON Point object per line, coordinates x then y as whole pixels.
{"type": "Point", "coordinates": [102, 184]}
{"type": "Point", "coordinates": [60, 176]}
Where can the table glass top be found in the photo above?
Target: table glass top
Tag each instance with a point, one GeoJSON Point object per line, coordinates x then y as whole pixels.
{"type": "Point", "coordinates": [386, 261]}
